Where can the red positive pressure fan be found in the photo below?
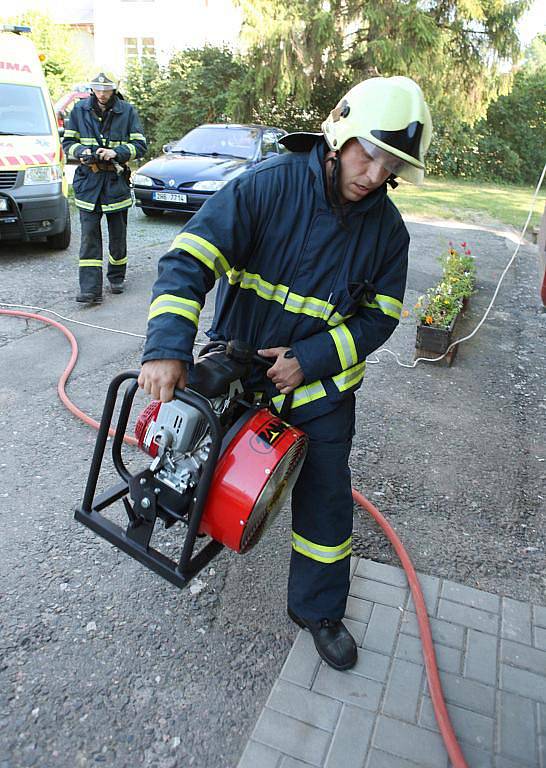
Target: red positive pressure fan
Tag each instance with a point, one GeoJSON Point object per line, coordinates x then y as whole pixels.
{"type": "Point", "coordinates": [255, 473]}
{"type": "Point", "coordinates": [220, 465]}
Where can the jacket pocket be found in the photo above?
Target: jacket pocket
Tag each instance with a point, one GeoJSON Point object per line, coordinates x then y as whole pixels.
{"type": "Point", "coordinates": [347, 300]}
{"type": "Point", "coordinates": [117, 188]}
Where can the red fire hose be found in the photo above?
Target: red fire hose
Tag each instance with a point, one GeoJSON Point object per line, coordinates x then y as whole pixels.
{"type": "Point", "coordinates": [442, 717]}
{"type": "Point", "coordinates": [67, 371]}
{"type": "Point", "coordinates": [440, 710]}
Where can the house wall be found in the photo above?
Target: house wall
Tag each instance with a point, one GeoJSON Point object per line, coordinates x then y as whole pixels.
{"type": "Point", "coordinates": [126, 27]}
{"type": "Point", "coordinates": [104, 26]}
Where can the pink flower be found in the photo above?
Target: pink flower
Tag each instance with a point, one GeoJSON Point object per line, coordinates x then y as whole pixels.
{"type": "Point", "coordinates": [463, 245]}
{"type": "Point", "coordinates": [468, 252]}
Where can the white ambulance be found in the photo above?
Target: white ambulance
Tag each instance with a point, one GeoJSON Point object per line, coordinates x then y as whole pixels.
{"type": "Point", "coordinates": [33, 189]}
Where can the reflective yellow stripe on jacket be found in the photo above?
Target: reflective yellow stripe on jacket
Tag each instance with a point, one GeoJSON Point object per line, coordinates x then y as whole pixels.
{"type": "Point", "coordinates": [84, 204]}
{"type": "Point", "coordinates": [345, 345]}
{"type": "Point", "coordinates": [205, 252]}
{"type": "Point", "coordinates": [292, 302]}
{"type": "Point", "coordinates": [72, 150]}
{"type": "Point", "coordinates": [302, 395]}
{"type": "Point", "coordinates": [209, 255]}
{"type": "Point", "coordinates": [307, 393]}
{"type": "Point", "coordinates": [351, 377]}
{"type": "Point", "coordinates": [261, 287]}
{"type": "Point", "coordinates": [386, 304]}
{"type": "Point", "coordinates": [307, 305]}
{"type": "Point", "coordinates": [319, 551]}
{"type": "Point", "coordinates": [127, 203]}
{"type": "Point", "coordinates": [176, 305]}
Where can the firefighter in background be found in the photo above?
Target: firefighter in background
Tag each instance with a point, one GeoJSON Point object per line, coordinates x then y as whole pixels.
{"type": "Point", "coordinates": [315, 255]}
{"type": "Point", "coordinates": [104, 133]}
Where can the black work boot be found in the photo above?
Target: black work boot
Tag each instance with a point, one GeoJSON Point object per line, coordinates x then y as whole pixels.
{"type": "Point", "coordinates": [333, 641]}
{"type": "Point", "coordinates": [117, 286]}
{"type": "Point", "coordinates": [89, 298]}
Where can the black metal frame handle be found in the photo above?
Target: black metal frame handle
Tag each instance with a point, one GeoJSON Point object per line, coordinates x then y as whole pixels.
{"type": "Point", "coordinates": [89, 512]}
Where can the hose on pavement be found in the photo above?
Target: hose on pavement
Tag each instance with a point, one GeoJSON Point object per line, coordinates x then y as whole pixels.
{"type": "Point", "coordinates": [435, 687]}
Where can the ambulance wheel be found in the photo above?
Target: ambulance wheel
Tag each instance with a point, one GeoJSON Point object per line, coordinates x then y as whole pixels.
{"type": "Point", "coordinates": [61, 241]}
{"type": "Point", "coordinates": [153, 212]}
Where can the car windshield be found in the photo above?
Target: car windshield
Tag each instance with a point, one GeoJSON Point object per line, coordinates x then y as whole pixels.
{"type": "Point", "coordinates": [231, 142]}
{"type": "Point", "coordinates": [23, 111]}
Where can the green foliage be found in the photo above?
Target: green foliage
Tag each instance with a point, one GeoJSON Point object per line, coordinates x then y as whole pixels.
{"type": "Point", "coordinates": [285, 45]}
{"type": "Point", "coordinates": [451, 47]}
{"type": "Point", "coordinates": [444, 301]}
{"type": "Point", "coordinates": [288, 113]}
{"type": "Point", "coordinates": [145, 87]}
{"type": "Point", "coordinates": [56, 42]}
{"type": "Point", "coordinates": [518, 121]}
{"type": "Point", "coordinates": [509, 144]}
{"type": "Point", "coordinates": [535, 54]}
{"type": "Point", "coordinates": [463, 151]}
{"type": "Point", "coordinates": [194, 88]}
{"type": "Point", "coordinates": [299, 58]}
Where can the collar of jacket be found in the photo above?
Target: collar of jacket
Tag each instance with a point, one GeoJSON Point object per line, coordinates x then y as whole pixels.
{"type": "Point", "coordinates": [116, 106]}
{"type": "Point", "coordinates": [316, 169]}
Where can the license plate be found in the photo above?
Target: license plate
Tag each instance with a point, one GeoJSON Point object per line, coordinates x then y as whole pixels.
{"type": "Point", "coordinates": [3, 204]}
{"type": "Point", "coordinates": [171, 197]}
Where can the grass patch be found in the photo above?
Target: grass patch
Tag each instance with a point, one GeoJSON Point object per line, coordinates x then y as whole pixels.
{"type": "Point", "coordinates": [472, 201]}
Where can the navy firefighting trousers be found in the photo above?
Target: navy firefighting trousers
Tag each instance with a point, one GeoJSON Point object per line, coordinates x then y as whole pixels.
{"type": "Point", "coordinates": [91, 248]}
{"type": "Point", "coordinates": [322, 518]}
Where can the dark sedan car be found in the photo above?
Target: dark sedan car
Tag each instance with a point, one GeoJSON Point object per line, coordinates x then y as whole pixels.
{"type": "Point", "coordinates": [194, 168]}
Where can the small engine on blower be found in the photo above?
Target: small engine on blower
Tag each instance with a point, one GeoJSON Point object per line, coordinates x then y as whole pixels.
{"type": "Point", "coordinates": [176, 435]}
{"type": "Point", "coordinates": [220, 464]}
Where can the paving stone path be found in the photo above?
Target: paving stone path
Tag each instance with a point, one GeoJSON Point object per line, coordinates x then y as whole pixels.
{"type": "Point", "coordinates": [491, 653]}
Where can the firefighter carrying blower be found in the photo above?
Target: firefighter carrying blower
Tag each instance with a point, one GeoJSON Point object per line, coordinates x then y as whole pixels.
{"type": "Point", "coordinates": [314, 256]}
{"type": "Point", "coordinates": [104, 133]}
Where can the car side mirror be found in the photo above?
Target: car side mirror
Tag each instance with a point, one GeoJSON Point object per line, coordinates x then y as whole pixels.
{"type": "Point", "coordinates": [167, 148]}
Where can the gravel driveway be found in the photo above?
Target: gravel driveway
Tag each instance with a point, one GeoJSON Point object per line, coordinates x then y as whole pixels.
{"type": "Point", "coordinates": [102, 661]}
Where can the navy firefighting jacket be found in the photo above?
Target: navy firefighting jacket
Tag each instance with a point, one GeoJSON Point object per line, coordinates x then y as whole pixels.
{"type": "Point", "coordinates": [299, 275]}
{"type": "Point", "coordinates": [118, 129]}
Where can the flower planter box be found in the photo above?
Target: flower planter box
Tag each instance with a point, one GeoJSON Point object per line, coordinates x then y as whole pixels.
{"type": "Point", "coordinates": [435, 339]}
{"type": "Point", "coordinates": [448, 296]}
{"type": "Point", "coordinates": [432, 342]}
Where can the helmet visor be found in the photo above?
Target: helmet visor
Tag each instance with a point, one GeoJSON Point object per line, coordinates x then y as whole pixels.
{"type": "Point", "coordinates": [390, 163]}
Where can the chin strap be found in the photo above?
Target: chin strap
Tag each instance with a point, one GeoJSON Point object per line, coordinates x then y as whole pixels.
{"type": "Point", "coordinates": [335, 197]}
{"type": "Point", "coordinates": [391, 181]}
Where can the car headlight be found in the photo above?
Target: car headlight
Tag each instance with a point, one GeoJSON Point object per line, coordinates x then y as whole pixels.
{"type": "Point", "coordinates": [140, 180]}
{"type": "Point", "coordinates": [43, 174]}
{"type": "Point", "coordinates": [208, 186]}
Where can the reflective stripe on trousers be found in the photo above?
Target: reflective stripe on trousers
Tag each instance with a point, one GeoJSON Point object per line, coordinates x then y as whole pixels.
{"type": "Point", "coordinates": [91, 252]}
{"type": "Point", "coordinates": [322, 518]}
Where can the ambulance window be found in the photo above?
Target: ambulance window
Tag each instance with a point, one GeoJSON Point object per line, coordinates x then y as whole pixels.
{"type": "Point", "coordinates": [23, 111]}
